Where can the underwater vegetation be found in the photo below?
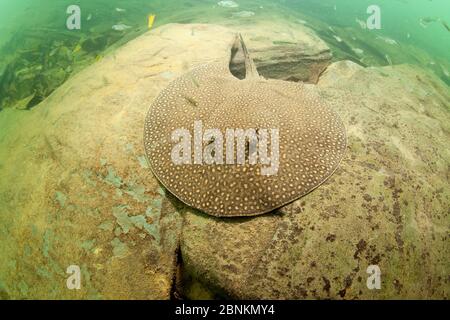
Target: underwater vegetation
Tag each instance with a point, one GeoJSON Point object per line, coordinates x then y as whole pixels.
{"type": "Point", "coordinates": [39, 56]}
{"type": "Point", "coordinates": [32, 74]}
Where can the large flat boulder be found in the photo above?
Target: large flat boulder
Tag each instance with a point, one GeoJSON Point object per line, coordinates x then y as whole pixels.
{"type": "Point", "coordinates": [75, 186]}
{"type": "Point", "coordinates": [386, 205]}
{"type": "Point", "coordinates": [282, 51]}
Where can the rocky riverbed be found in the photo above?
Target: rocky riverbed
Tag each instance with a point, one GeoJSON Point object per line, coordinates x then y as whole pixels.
{"type": "Point", "coordinates": [76, 188]}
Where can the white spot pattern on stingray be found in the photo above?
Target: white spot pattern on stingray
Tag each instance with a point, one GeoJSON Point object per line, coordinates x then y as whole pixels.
{"type": "Point", "coordinates": [312, 140]}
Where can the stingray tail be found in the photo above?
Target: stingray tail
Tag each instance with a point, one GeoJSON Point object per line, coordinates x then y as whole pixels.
{"type": "Point", "coordinates": [250, 67]}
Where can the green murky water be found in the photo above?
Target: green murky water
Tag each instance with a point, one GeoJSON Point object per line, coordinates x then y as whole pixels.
{"type": "Point", "coordinates": [38, 52]}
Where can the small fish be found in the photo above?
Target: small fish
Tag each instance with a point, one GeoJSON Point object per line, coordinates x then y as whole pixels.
{"type": "Point", "coordinates": [429, 19]}
{"type": "Point", "coordinates": [408, 35]}
{"type": "Point", "coordinates": [89, 17]}
{"type": "Point", "coordinates": [445, 25]}
{"type": "Point", "coordinates": [387, 40]}
{"type": "Point", "coordinates": [120, 27]}
{"type": "Point", "coordinates": [120, 10]}
{"type": "Point", "coordinates": [445, 72]}
{"type": "Point", "coordinates": [337, 38]}
{"type": "Point", "coordinates": [228, 4]}
{"type": "Point", "coordinates": [151, 20]}
{"type": "Point", "coordinates": [388, 59]}
{"type": "Point", "coordinates": [243, 14]}
{"type": "Point", "coordinates": [358, 51]}
{"type": "Point", "coordinates": [77, 48]}
{"type": "Point", "coordinates": [52, 53]}
{"type": "Point", "coordinates": [424, 22]}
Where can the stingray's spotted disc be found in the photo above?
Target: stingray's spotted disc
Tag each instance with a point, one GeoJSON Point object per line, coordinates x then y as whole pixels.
{"type": "Point", "coordinates": [289, 119]}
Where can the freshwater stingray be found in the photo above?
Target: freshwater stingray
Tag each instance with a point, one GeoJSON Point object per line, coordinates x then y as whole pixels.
{"type": "Point", "coordinates": [311, 139]}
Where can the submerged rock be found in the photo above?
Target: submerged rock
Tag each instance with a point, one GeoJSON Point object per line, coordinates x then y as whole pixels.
{"type": "Point", "coordinates": [387, 205]}
{"type": "Point", "coordinates": [283, 52]}
{"type": "Point", "coordinates": [74, 188]}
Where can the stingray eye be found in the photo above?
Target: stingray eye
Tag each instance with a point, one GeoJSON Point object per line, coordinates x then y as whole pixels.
{"type": "Point", "coordinates": [191, 101]}
{"type": "Point", "coordinates": [210, 141]}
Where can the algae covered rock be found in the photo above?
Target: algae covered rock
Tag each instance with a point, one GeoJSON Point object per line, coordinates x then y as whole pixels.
{"type": "Point", "coordinates": [281, 51]}
{"type": "Point", "coordinates": [76, 188]}
{"type": "Point", "coordinates": [386, 205]}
